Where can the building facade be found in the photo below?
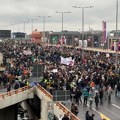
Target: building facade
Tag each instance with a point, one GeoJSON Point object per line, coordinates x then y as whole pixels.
{"type": "Point", "coordinates": [74, 38]}
{"type": "Point", "coordinates": [18, 35]}
{"type": "Point", "coordinates": [5, 34]}
{"type": "Point", "coordinates": [114, 40]}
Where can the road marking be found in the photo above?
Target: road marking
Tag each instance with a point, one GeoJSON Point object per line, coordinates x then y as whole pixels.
{"type": "Point", "coordinates": [111, 112]}
{"type": "Point", "coordinates": [116, 106]}
{"type": "Point", "coordinates": [101, 114]}
{"type": "Point", "coordinates": [104, 117]}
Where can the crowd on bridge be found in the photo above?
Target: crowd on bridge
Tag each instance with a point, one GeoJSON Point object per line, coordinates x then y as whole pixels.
{"type": "Point", "coordinates": [93, 75]}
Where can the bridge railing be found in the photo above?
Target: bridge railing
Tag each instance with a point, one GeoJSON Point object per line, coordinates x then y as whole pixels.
{"type": "Point", "coordinates": [60, 105]}
{"type": "Point", "coordinates": [13, 92]}
{"type": "Point", "coordinates": [66, 111]}
{"type": "Point", "coordinates": [45, 92]}
{"type": "Point", "coordinates": [2, 68]}
{"type": "Point", "coordinates": [102, 50]}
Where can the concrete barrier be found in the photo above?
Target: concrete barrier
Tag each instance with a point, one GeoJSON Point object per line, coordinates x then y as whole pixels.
{"type": "Point", "coordinates": [15, 96]}
{"type": "Point", "coordinates": [59, 108]}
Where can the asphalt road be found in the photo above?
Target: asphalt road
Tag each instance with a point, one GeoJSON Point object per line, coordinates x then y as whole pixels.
{"type": "Point", "coordinates": [108, 111]}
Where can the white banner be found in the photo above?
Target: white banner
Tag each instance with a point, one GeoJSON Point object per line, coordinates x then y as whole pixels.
{"type": "Point", "coordinates": [67, 61]}
{"type": "Point", "coordinates": [54, 70]}
{"type": "Point", "coordinates": [27, 52]}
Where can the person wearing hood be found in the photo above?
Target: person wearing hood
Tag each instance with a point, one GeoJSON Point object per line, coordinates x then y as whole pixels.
{"type": "Point", "coordinates": [85, 95]}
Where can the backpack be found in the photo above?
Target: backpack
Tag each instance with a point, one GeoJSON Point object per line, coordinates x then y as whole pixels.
{"type": "Point", "coordinates": [16, 86]}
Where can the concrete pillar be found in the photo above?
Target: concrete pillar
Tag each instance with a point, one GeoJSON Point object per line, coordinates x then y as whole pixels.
{"type": "Point", "coordinates": [44, 109]}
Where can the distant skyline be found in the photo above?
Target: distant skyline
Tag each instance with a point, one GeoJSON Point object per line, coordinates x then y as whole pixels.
{"type": "Point", "coordinates": [13, 14]}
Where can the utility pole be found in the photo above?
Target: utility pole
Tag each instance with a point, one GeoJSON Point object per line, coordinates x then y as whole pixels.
{"type": "Point", "coordinates": [82, 7]}
{"type": "Point", "coordinates": [116, 33]}
{"type": "Point", "coordinates": [44, 22]}
{"type": "Point", "coordinates": [62, 13]}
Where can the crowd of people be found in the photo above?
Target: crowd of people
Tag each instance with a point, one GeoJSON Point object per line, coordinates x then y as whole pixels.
{"type": "Point", "coordinates": [93, 76]}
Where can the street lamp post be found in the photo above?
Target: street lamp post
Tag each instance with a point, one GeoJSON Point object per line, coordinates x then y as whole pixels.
{"type": "Point", "coordinates": [32, 25]}
{"type": "Point", "coordinates": [32, 20]}
{"type": "Point", "coordinates": [116, 16]}
{"type": "Point", "coordinates": [62, 13]}
{"type": "Point", "coordinates": [116, 32]}
{"type": "Point", "coordinates": [83, 7]}
{"type": "Point", "coordinates": [24, 25]}
{"type": "Point", "coordinates": [44, 21]}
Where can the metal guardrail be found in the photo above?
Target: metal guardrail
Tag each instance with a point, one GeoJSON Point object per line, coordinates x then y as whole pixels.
{"type": "Point", "coordinates": [13, 92]}
{"type": "Point", "coordinates": [91, 49]}
{"type": "Point", "coordinates": [66, 111]}
{"type": "Point", "coordinates": [102, 50]}
{"type": "Point", "coordinates": [45, 92]}
{"type": "Point", "coordinates": [60, 105]}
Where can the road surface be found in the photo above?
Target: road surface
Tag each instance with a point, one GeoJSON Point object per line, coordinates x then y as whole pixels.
{"type": "Point", "coordinates": [108, 111]}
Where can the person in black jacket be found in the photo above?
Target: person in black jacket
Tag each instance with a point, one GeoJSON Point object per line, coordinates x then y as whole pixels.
{"type": "Point", "coordinates": [96, 99]}
{"type": "Point", "coordinates": [78, 94]}
{"type": "Point", "coordinates": [92, 117]}
{"type": "Point", "coordinates": [65, 117]}
{"type": "Point", "coordinates": [87, 116]}
{"type": "Point", "coordinates": [118, 90]}
{"type": "Point", "coordinates": [101, 96]}
{"type": "Point", "coordinates": [74, 109]}
{"type": "Point", "coordinates": [8, 86]}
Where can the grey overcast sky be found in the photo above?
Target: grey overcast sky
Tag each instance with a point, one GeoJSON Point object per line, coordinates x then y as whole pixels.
{"type": "Point", "coordinates": [14, 12]}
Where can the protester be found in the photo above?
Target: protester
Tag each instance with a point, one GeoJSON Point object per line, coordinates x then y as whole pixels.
{"type": "Point", "coordinates": [87, 116]}
{"type": "Point", "coordinates": [8, 87]}
{"type": "Point", "coordinates": [101, 95]}
{"type": "Point", "coordinates": [118, 89]}
{"type": "Point", "coordinates": [65, 117]}
{"type": "Point", "coordinates": [109, 94]}
{"type": "Point", "coordinates": [78, 94]}
{"type": "Point", "coordinates": [81, 74]}
{"type": "Point", "coordinates": [92, 117]}
{"type": "Point", "coordinates": [86, 95]}
{"type": "Point", "coordinates": [96, 99]}
{"type": "Point", "coordinates": [16, 85]}
{"type": "Point", "coordinates": [74, 109]}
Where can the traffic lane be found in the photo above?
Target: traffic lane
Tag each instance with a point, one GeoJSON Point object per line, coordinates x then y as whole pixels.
{"type": "Point", "coordinates": [105, 110]}
{"type": "Point", "coordinates": [108, 109]}
{"type": "Point", "coordinates": [116, 101]}
{"type": "Point", "coordinates": [114, 109]}
{"type": "Point", "coordinates": [83, 109]}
